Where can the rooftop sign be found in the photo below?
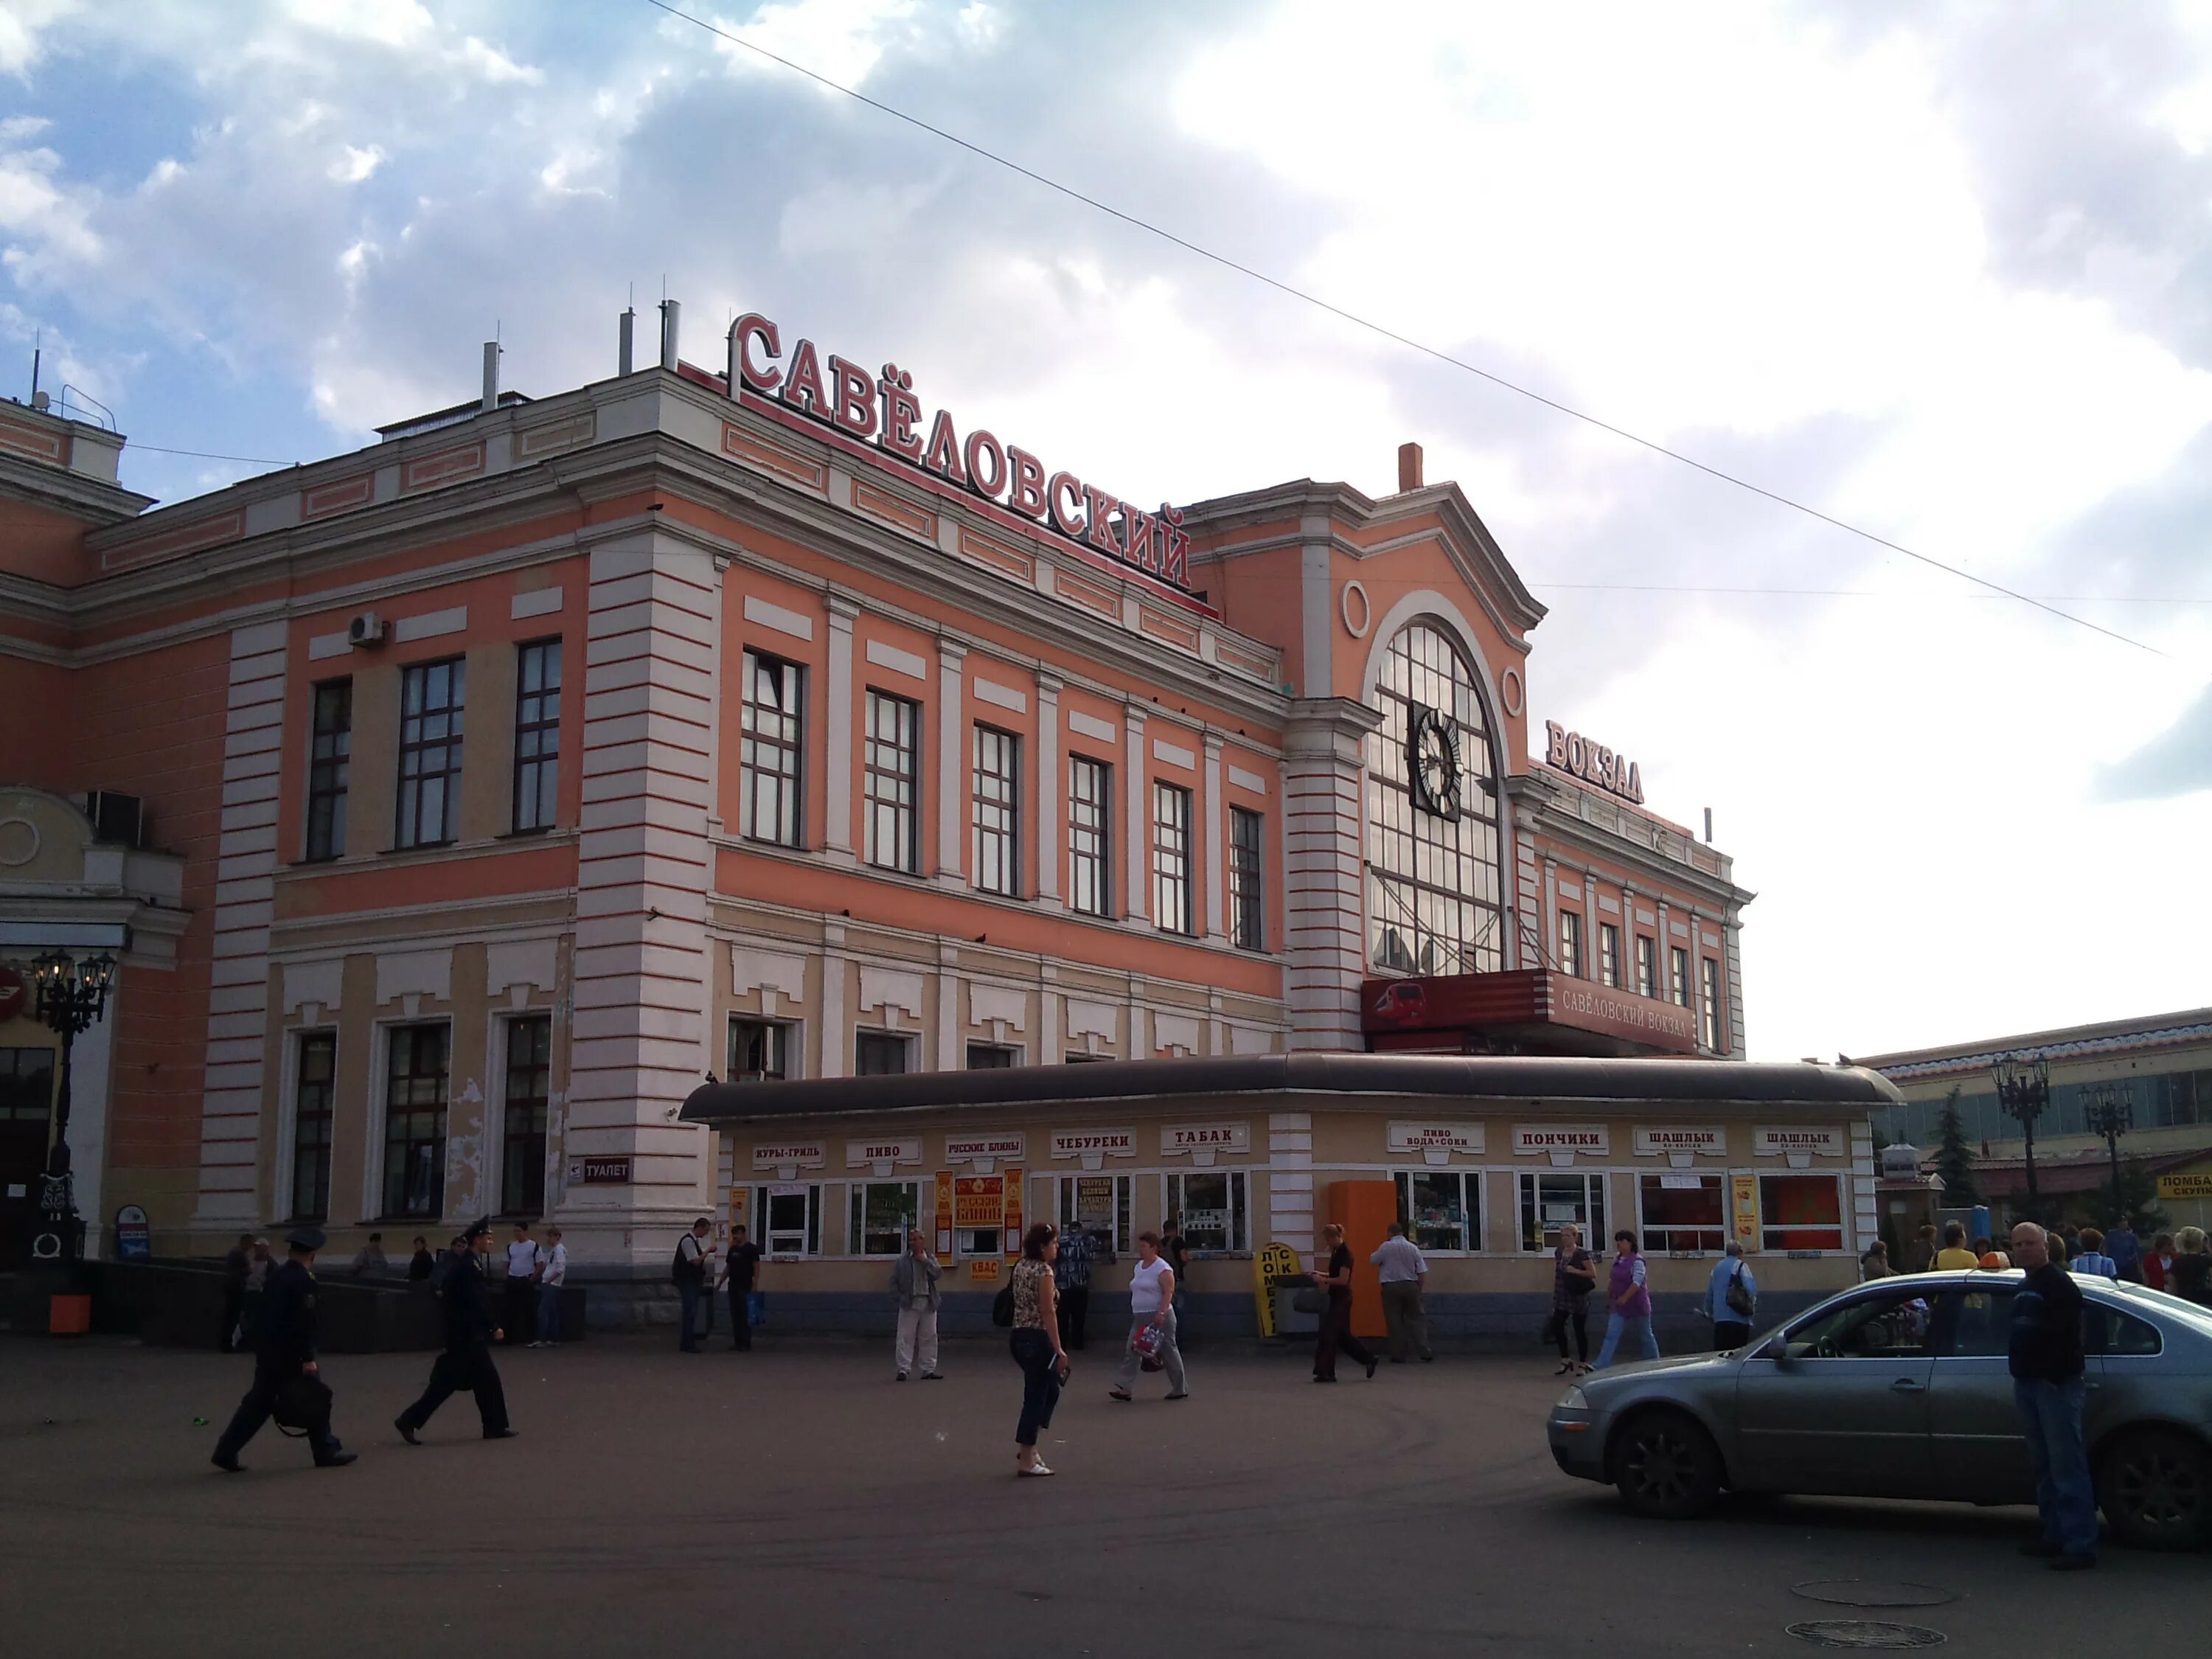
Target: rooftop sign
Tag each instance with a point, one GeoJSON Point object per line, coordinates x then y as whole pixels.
{"type": "Point", "coordinates": [1593, 762]}
{"type": "Point", "coordinates": [882, 410]}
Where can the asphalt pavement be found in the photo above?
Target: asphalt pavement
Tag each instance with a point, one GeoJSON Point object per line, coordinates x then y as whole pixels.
{"type": "Point", "coordinates": [795, 1501]}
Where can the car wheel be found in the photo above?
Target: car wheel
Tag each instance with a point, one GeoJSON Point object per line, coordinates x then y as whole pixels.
{"type": "Point", "coordinates": [2156, 1487]}
{"type": "Point", "coordinates": [1667, 1466]}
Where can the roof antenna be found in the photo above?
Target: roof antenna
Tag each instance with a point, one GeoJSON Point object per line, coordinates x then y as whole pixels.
{"type": "Point", "coordinates": [38, 350]}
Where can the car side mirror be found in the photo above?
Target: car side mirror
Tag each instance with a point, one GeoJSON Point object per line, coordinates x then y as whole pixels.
{"type": "Point", "coordinates": [1778, 1352]}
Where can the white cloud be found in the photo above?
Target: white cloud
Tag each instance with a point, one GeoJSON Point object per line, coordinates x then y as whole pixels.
{"type": "Point", "coordinates": [355, 163]}
{"type": "Point", "coordinates": [495, 66]}
{"type": "Point", "coordinates": [839, 39]}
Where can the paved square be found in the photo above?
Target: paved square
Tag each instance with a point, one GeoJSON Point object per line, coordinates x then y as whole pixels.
{"type": "Point", "coordinates": [795, 1501]}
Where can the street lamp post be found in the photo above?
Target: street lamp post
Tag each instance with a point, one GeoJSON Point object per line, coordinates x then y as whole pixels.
{"type": "Point", "coordinates": [72, 995]}
{"type": "Point", "coordinates": [2023, 1094]}
{"type": "Point", "coordinates": [2110, 1111]}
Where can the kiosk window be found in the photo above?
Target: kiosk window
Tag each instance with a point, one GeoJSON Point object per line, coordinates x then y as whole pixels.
{"type": "Point", "coordinates": [790, 1219]}
{"type": "Point", "coordinates": [1100, 1206]}
{"type": "Point", "coordinates": [1683, 1211]}
{"type": "Point", "coordinates": [979, 1215]}
{"type": "Point", "coordinates": [1801, 1213]}
{"type": "Point", "coordinates": [1210, 1204]}
{"type": "Point", "coordinates": [1441, 1208]}
{"type": "Point", "coordinates": [882, 1213]}
{"type": "Point", "coordinates": [1549, 1200]}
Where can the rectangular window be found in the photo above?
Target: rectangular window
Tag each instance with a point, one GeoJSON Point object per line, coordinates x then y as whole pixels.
{"type": "Point", "coordinates": [1549, 1200]}
{"type": "Point", "coordinates": [1608, 955]}
{"type": "Point", "coordinates": [1801, 1213]}
{"type": "Point", "coordinates": [881, 1054]}
{"type": "Point", "coordinates": [760, 1051]}
{"type": "Point", "coordinates": [1441, 1208]}
{"type": "Point", "coordinates": [415, 1121]}
{"type": "Point", "coordinates": [787, 1218]}
{"type": "Point", "coordinates": [1712, 974]}
{"type": "Point", "coordinates": [1571, 943]}
{"type": "Point", "coordinates": [330, 769]}
{"type": "Point", "coordinates": [1090, 835]}
{"type": "Point", "coordinates": [992, 1057]}
{"type": "Point", "coordinates": [1248, 892]}
{"type": "Point", "coordinates": [1170, 858]}
{"type": "Point", "coordinates": [979, 1216]}
{"type": "Point", "coordinates": [774, 698]}
{"type": "Point", "coordinates": [997, 809]}
{"type": "Point", "coordinates": [536, 735]}
{"type": "Point", "coordinates": [1678, 967]}
{"type": "Point", "coordinates": [529, 1094]}
{"type": "Point", "coordinates": [1647, 966]}
{"type": "Point", "coordinates": [27, 1100]}
{"type": "Point", "coordinates": [882, 1213]}
{"type": "Point", "coordinates": [1100, 1205]}
{"type": "Point", "coordinates": [310, 1127]}
{"type": "Point", "coordinates": [1210, 1203]}
{"type": "Point", "coordinates": [431, 697]}
{"type": "Point", "coordinates": [1683, 1213]}
{"type": "Point", "coordinates": [1086, 1059]}
{"type": "Point", "coordinates": [893, 764]}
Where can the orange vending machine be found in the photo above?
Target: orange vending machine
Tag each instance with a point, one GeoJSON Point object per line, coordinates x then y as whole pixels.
{"type": "Point", "coordinates": [1365, 1209]}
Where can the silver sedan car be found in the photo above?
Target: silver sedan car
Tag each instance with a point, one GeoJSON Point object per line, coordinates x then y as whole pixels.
{"type": "Point", "coordinates": [1900, 1387]}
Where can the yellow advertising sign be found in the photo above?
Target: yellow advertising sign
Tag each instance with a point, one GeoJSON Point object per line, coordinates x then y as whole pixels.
{"type": "Point", "coordinates": [1014, 1223]}
{"type": "Point", "coordinates": [1274, 1260]}
{"type": "Point", "coordinates": [983, 1270]}
{"type": "Point", "coordinates": [944, 1214]}
{"type": "Point", "coordinates": [1744, 1208]}
{"type": "Point", "coordinates": [979, 1200]}
{"type": "Point", "coordinates": [2187, 1184]}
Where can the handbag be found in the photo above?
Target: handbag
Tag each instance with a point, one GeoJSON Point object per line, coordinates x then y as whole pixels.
{"type": "Point", "coordinates": [1740, 1301]}
{"type": "Point", "coordinates": [302, 1405]}
{"type": "Point", "coordinates": [756, 1308]}
{"type": "Point", "coordinates": [1002, 1306]}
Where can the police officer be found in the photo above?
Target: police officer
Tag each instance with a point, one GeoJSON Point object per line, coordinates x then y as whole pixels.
{"type": "Point", "coordinates": [470, 1332]}
{"type": "Point", "coordinates": [285, 1354]}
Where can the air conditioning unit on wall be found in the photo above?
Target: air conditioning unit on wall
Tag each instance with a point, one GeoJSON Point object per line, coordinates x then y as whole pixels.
{"type": "Point", "coordinates": [367, 628]}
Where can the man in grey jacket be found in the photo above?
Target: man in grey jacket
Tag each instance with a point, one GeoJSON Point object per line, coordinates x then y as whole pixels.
{"type": "Point", "coordinates": [914, 1279]}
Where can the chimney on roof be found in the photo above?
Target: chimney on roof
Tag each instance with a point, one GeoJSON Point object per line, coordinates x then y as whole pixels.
{"type": "Point", "coordinates": [1409, 467]}
{"type": "Point", "coordinates": [491, 376]}
{"type": "Point", "coordinates": [671, 317]}
{"type": "Point", "coordinates": [626, 356]}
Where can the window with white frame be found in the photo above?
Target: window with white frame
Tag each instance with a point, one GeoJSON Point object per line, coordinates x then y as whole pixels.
{"type": "Point", "coordinates": [1090, 835]}
{"type": "Point", "coordinates": [882, 1054]}
{"type": "Point", "coordinates": [882, 1212]}
{"type": "Point", "coordinates": [995, 802]}
{"type": "Point", "coordinates": [1647, 966]}
{"type": "Point", "coordinates": [892, 765]}
{"type": "Point", "coordinates": [760, 1050]}
{"type": "Point", "coordinates": [787, 1218]}
{"type": "Point", "coordinates": [1101, 1205]}
{"type": "Point", "coordinates": [1801, 1213]}
{"type": "Point", "coordinates": [1248, 892]}
{"type": "Point", "coordinates": [1571, 943]}
{"type": "Point", "coordinates": [1171, 910]}
{"type": "Point", "coordinates": [1682, 1212]}
{"type": "Point", "coordinates": [1678, 964]}
{"type": "Point", "coordinates": [992, 1057]}
{"type": "Point", "coordinates": [536, 735]}
{"type": "Point", "coordinates": [524, 1107]}
{"type": "Point", "coordinates": [769, 799]}
{"type": "Point", "coordinates": [1552, 1197]}
{"type": "Point", "coordinates": [1441, 1208]}
{"type": "Point", "coordinates": [312, 1096]}
{"type": "Point", "coordinates": [1210, 1206]}
{"type": "Point", "coordinates": [1608, 955]}
{"type": "Point", "coordinates": [1712, 1012]}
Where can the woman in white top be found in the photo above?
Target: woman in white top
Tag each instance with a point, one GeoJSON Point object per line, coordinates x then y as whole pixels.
{"type": "Point", "coordinates": [1152, 1306]}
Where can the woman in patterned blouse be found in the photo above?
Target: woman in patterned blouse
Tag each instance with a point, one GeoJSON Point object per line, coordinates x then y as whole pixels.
{"type": "Point", "coordinates": [1036, 1343]}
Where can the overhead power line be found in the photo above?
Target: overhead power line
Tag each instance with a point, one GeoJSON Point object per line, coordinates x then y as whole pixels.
{"type": "Point", "coordinates": [1388, 333]}
{"type": "Point", "coordinates": [210, 455]}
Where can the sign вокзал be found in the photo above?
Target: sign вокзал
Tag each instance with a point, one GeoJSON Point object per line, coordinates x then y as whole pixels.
{"type": "Point", "coordinates": [1593, 762]}
{"type": "Point", "coordinates": [882, 410]}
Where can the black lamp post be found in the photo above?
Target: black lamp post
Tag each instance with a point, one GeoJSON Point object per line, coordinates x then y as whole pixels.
{"type": "Point", "coordinates": [2110, 1111]}
{"type": "Point", "coordinates": [2023, 1094]}
{"type": "Point", "coordinates": [70, 996]}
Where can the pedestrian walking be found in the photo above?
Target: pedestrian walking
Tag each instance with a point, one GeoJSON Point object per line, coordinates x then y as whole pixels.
{"type": "Point", "coordinates": [1731, 1300]}
{"type": "Point", "coordinates": [552, 1274]}
{"type": "Point", "coordinates": [915, 1278]}
{"type": "Point", "coordinates": [689, 1272]}
{"type": "Point", "coordinates": [2126, 1250]}
{"type": "Point", "coordinates": [422, 1264]}
{"type": "Point", "coordinates": [2190, 1278]}
{"type": "Point", "coordinates": [2158, 1263]}
{"type": "Point", "coordinates": [519, 1294]}
{"type": "Point", "coordinates": [2045, 1353]}
{"type": "Point", "coordinates": [1954, 1256]}
{"type": "Point", "coordinates": [1152, 1324]}
{"type": "Point", "coordinates": [369, 1261]}
{"type": "Point", "coordinates": [1178, 1259]}
{"type": "Point", "coordinates": [1874, 1264]}
{"type": "Point", "coordinates": [1628, 1298]}
{"type": "Point", "coordinates": [2091, 1258]}
{"type": "Point", "coordinates": [1036, 1343]}
{"type": "Point", "coordinates": [465, 1364]}
{"type": "Point", "coordinates": [740, 1266]}
{"type": "Point", "coordinates": [259, 1266]}
{"type": "Point", "coordinates": [237, 1262]}
{"type": "Point", "coordinates": [1923, 1250]}
{"type": "Point", "coordinates": [287, 1376]}
{"type": "Point", "coordinates": [1335, 1336]}
{"type": "Point", "coordinates": [1070, 1278]}
{"type": "Point", "coordinates": [1405, 1275]}
{"type": "Point", "coordinates": [1573, 1277]}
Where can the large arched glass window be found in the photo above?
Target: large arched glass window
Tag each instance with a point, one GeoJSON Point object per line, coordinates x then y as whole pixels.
{"type": "Point", "coordinates": [1433, 903]}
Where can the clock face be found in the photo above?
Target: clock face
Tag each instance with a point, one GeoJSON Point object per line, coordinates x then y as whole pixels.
{"type": "Point", "coordinates": [1433, 762]}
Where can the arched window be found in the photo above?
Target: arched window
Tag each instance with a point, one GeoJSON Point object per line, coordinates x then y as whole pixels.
{"type": "Point", "coordinates": [1434, 887]}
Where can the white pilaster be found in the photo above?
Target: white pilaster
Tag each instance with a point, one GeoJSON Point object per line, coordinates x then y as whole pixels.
{"type": "Point", "coordinates": [1215, 884]}
{"type": "Point", "coordinates": [1136, 896]}
{"type": "Point", "coordinates": [1324, 887]}
{"type": "Point", "coordinates": [1290, 1180]}
{"type": "Point", "coordinates": [830, 1049]}
{"type": "Point", "coordinates": [1051, 789]}
{"type": "Point", "coordinates": [837, 788]}
{"type": "Point", "coordinates": [951, 761]}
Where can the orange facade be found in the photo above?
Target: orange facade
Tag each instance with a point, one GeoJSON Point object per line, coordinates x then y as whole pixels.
{"type": "Point", "coordinates": [500, 780]}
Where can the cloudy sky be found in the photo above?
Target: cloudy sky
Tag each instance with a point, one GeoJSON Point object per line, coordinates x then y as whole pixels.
{"type": "Point", "coordinates": [1944, 270]}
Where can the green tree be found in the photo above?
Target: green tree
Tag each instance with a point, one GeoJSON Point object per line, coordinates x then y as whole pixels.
{"type": "Point", "coordinates": [1954, 1159]}
{"type": "Point", "coordinates": [2138, 1197]}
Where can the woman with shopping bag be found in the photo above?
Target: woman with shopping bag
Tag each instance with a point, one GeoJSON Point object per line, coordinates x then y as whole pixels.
{"type": "Point", "coordinates": [1151, 1344]}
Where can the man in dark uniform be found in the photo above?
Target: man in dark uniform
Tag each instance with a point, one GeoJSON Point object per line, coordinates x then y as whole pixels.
{"type": "Point", "coordinates": [284, 1354]}
{"type": "Point", "coordinates": [470, 1332]}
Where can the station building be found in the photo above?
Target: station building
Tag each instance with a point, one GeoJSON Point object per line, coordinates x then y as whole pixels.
{"type": "Point", "coordinates": [456, 805]}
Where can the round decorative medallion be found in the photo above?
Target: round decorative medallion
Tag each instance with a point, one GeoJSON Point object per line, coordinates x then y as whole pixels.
{"type": "Point", "coordinates": [19, 842]}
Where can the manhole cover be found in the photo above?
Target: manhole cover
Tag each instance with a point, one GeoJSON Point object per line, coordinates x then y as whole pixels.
{"type": "Point", "coordinates": [1872, 1593]}
{"type": "Point", "coordinates": [1866, 1633]}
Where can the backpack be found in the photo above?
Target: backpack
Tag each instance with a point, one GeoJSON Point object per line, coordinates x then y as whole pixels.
{"type": "Point", "coordinates": [1740, 1301]}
